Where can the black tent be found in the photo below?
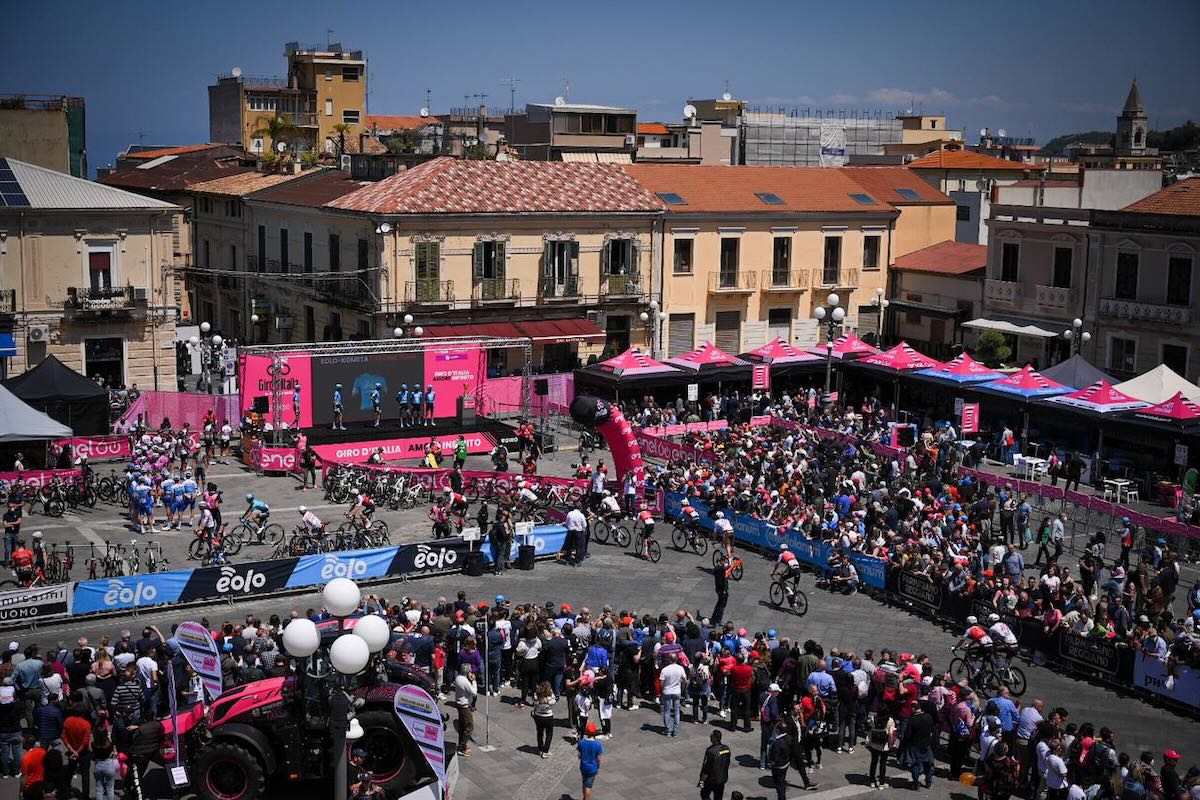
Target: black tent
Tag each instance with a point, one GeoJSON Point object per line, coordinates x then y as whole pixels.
{"type": "Point", "coordinates": [1076, 372]}
{"type": "Point", "coordinates": [63, 394]}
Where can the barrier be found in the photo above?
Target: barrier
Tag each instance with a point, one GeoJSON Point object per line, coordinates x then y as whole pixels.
{"type": "Point", "coordinates": [179, 407]}
{"type": "Point", "coordinates": [98, 448]}
{"type": "Point", "coordinates": [31, 605]}
{"type": "Point", "coordinates": [41, 477]}
{"type": "Point", "coordinates": [439, 479]}
{"type": "Point", "coordinates": [274, 459]}
{"type": "Point", "coordinates": [666, 450]}
{"type": "Point", "coordinates": [688, 427]}
{"type": "Point", "coordinates": [1150, 674]}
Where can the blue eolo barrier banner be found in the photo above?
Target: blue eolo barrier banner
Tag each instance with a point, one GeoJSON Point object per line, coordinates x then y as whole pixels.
{"type": "Point", "coordinates": [353, 564]}
{"type": "Point", "coordinates": [1151, 675]}
{"type": "Point", "coordinates": [134, 591]}
{"type": "Point", "coordinates": [765, 536]}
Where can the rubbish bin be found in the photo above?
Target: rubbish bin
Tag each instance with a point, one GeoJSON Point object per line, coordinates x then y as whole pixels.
{"type": "Point", "coordinates": [525, 555]}
{"type": "Point", "coordinates": [473, 563]}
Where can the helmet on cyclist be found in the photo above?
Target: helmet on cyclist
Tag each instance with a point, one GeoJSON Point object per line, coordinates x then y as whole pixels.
{"type": "Point", "coordinates": [37, 535]}
{"type": "Point", "coordinates": [303, 509]}
{"type": "Point", "coordinates": [972, 620]}
{"type": "Point", "coordinates": [720, 515]}
{"type": "Point", "coordinates": [993, 619]}
{"type": "Point", "coordinates": [250, 497]}
{"type": "Point", "coordinates": [337, 386]}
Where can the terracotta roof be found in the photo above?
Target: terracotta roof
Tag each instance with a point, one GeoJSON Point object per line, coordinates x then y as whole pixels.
{"type": "Point", "coordinates": [966, 159]}
{"type": "Point", "coordinates": [715, 189]}
{"type": "Point", "coordinates": [180, 172]}
{"type": "Point", "coordinates": [454, 186]}
{"type": "Point", "coordinates": [884, 184]}
{"type": "Point", "coordinates": [245, 183]}
{"type": "Point", "coordinates": [652, 129]}
{"type": "Point", "coordinates": [398, 122]}
{"type": "Point", "coordinates": [311, 190]}
{"type": "Point", "coordinates": [1182, 197]}
{"type": "Point", "coordinates": [146, 155]}
{"type": "Point", "coordinates": [364, 144]}
{"type": "Point", "coordinates": [1057, 182]}
{"type": "Point", "coordinates": [944, 258]}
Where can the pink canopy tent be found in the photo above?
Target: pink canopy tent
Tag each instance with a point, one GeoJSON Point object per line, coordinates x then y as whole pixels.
{"type": "Point", "coordinates": [1174, 409]}
{"type": "Point", "coordinates": [901, 358]}
{"type": "Point", "coordinates": [1026, 383]}
{"type": "Point", "coordinates": [708, 358]}
{"type": "Point", "coordinates": [1101, 398]}
{"type": "Point", "coordinates": [962, 369]}
{"type": "Point", "coordinates": [777, 352]}
{"type": "Point", "coordinates": [846, 346]}
{"type": "Point", "coordinates": [633, 362]}
{"type": "Point", "coordinates": [632, 368]}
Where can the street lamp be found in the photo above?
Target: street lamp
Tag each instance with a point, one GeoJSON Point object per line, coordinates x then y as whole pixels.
{"type": "Point", "coordinates": [254, 320]}
{"type": "Point", "coordinates": [832, 317]}
{"type": "Point", "coordinates": [397, 332]}
{"type": "Point", "coordinates": [881, 303]}
{"type": "Point", "coordinates": [212, 354]}
{"type": "Point", "coordinates": [1075, 337]}
{"type": "Point", "coordinates": [653, 320]}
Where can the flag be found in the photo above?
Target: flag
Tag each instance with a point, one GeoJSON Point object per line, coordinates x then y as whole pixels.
{"type": "Point", "coordinates": [762, 377]}
{"type": "Point", "coordinates": [970, 418]}
{"type": "Point", "coordinates": [200, 650]}
{"type": "Point", "coordinates": [420, 715]}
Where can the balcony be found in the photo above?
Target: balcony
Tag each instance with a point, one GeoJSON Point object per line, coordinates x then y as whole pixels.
{"type": "Point", "coordinates": [621, 287]}
{"type": "Point", "coordinates": [556, 288]}
{"type": "Point", "coordinates": [836, 279]}
{"type": "Point", "coordinates": [100, 301]}
{"type": "Point", "coordinates": [1002, 291]}
{"type": "Point", "coordinates": [8, 302]}
{"type": "Point", "coordinates": [428, 292]}
{"type": "Point", "coordinates": [300, 119]}
{"type": "Point", "coordinates": [1056, 298]}
{"type": "Point", "coordinates": [738, 282]}
{"type": "Point", "coordinates": [1137, 311]}
{"type": "Point", "coordinates": [784, 280]}
{"type": "Point", "coordinates": [495, 290]}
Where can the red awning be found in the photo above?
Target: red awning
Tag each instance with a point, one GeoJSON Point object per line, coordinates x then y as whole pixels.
{"type": "Point", "coordinates": [550, 331]}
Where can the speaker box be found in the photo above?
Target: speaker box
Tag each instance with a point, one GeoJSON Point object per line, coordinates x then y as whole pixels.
{"type": "Point", "coordinates": [262, 404]}
{"type": "Point", "coordinates": [541, 387]}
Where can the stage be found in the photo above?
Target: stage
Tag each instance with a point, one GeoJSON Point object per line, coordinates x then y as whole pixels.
{"type": "Point", "coordinates": [360, 439]}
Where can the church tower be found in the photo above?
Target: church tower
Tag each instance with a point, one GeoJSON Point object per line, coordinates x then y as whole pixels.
{"type": "Point", "coordinates": [1132, 125]}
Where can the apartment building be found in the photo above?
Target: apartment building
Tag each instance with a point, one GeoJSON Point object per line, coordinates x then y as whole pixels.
{"type": "Point", "coordinates": [86, 275]}
{"type": "Point", "coordinates": [325, 86]}
{"type": "Point", "coordinates": [573, 132]}
{"type": "Point", "coordinates": [749, 252]}
{"type": "Point", "coordinates": [48, 130]}
{"type": "Point", "coordinates": [934, 291]}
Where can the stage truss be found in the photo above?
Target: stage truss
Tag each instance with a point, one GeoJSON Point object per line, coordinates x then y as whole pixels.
{"type": "Point", "coordinates": [278, 353]}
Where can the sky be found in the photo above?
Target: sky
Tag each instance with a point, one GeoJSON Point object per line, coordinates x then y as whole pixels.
{"type": "Point", "coordinates": [1033, 68]}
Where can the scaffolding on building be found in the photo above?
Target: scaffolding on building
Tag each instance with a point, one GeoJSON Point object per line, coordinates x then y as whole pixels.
{"type": "Point", "coordinates": [783, 136]}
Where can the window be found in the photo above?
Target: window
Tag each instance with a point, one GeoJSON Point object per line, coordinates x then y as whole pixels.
{"type": "Point", "coordinates": [832, 263]}
{"type": "Point", "coordinates": [308, 253]}
{"type": "Point", "coordinates": [233, 262]}
{"type": "Point", "coordinates": [781, 260]}
{"type": "Point", "coordinates": [364, 249]}
{"type": "Point", "coordinates": [963, 213]}
{"type": "Point", "coordinates": [364, 329]}
{"type": "Point", "coordinates": [207, 254]}
{"type": "Point", "coordinates": [489, 261]}
{"type": "Point", "coordinates": [672, 199]}
{"type": "Point", "coordinates": [284, 251]}
{"type": "Point", "coordinates": [560, 269]}
{"type": "Point", "coordinates": [908, 194]}
{"type": "Point", "coordinates": [350, 74]}
{"type": "Point", "coordinates": [913, 317]}
{"type": "Point", "coordinates": [616, 333]}
{"type": "Point", "coordinates": [333, 332]}
{"type": "Point", "coordinates": [328, 77]}
{"type": "Point", "coordinates": [862, 199]}
{"type": "Point", "coordinates": [310, 324]}
{"type": "Point", "coordinates": [729, 264]}
{"type": "Point", "coordinates": [871, 252]}
{"type": "Point", "coordinates": [1175, 357]}
{"type": "Point", "coordinates": [769, 198]}
{"type": "Point", "coordinates": [1179, 282]}
{"type": "Point", "coordinates": [933, 123]}
{"type": "Point", "coordinates": [779, 324]}
{"type": "Point", "coordinates": [1061, 278]}
{"type": "Point", "coordinates": [329, 108]}
{"type": "Point", "coordinates": [728, 331]}
{"type": "Point", "coordinates": [619, 258]}
{"type": "Point", "coordinates": [1126, 284]}
{"type": "Point", "coordinates": [335, 253]}
{"type": "Point", "coordinates": [427, 260]}
{"type": "Point", "coordinates": [1122, 355]}
{"type": "Point", "coordinates": [1010, 259]}
{"type": "Point", "coordinates": [262, 248]}
{"type": "Point", "coordinates": [681, 333]}
{"type": "Point", "coordinates": [350, 116]}
{"type": "Point", "coordinates": [683, 256]}
{"type": "Point", "coordinates": [100, 269]}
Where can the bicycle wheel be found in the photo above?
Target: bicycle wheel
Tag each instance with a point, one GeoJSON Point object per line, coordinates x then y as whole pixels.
{"type": "Point", "coordinates": [272, 534]}
{"type": "Point", "coordinates": [347, 528]}
{"type": "Point", "coordinates": [799, 603]}
{"type": "Point", "coordinates": [300, 545]}
{"type": "Point", "coordinates": [776, 593]}
{"type": "Point", "coordinates": [700, 545]}
{"type": "Point", "coordinates": [653, 550]}
{"type": "Point", "coordinates": [54, 507]}
{"type": "Point", "coordinates": [198, 549]}
{"type": "Point", "coordinates": [89, 497]}
{"type": "Point", "coordinates": [622, 535]}
{"type": "Point", "coordinates": [379, 530]}
{"type": "Point", "coordinates": [1016, 681]}
{"type": "Point", "coordinates": [243, 532]}
{"type": "Point", "coordinates": [736, 572]}
{"type": "Point", "coordinates": [678, 538]}
{"type": "Point", "coordinates": [718, 559]}
{"type": "Point", "coordinates": [958, 669]}
{"type": "Point", "coordinates": [233, 544]}
{"type": "Point", "coordinates": [600, 531]}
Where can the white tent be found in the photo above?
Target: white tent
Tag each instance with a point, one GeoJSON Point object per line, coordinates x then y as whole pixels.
{"type": "Point", "coordinates": [1158, 385]}
{"type": "Point", "coordinates": [21, 423]}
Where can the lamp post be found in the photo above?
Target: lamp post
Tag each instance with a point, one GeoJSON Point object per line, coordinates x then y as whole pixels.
{"type": "Point", "coordinates": [881, 303]}
{"type": "Point", "coordinates": [212, 354]}
{"type": "Point", "coordinates": [653, 320]}
{"type": "Point", "coordinates": [831, 315]}
{"type": "Point", "coordinates": [254, 320]}
{"type": "Point", "coordinates": [1076, 338]}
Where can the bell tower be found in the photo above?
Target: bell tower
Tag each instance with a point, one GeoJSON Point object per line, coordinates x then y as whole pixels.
{"type": "Point", "coordinates": [1132, 125]}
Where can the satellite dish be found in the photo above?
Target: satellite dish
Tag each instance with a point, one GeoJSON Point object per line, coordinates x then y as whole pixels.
{"type": "Point", "coordinates": [424, 112]}
{"type": "Point", "coordinates": [560, 101]}
{"type": "Point", "coordinates": [385, 227]}
{"type": "Point", "coordinates": [1002, 133]}
{"type": "Point", "coordinates": [689, 111]}
{"type": "Point", "coordinates": [281, 146]}
{"type": "Point", "coordinates": [727, 96]}
{"type": "Point", "coordinates": [983, 131]}
{"type": "Point", "coordinates": [236, 72]}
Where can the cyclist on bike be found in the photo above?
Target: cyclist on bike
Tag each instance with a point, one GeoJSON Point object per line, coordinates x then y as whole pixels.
{"type": "Point", "coordinates": [977, 642]}
{"type": "Point", "coordinates": [361, 511]}
{"type": "Point", "coordinates": [22, 563]}
{"type": "Point", "coordinates": [312, 523]}
{"type": "Point", "coordinates": [440, 516]}
{"type": "Point", "coordinates": [646, 534]}
{"type": "Point", "coordinates": [724, 532]}
{"type": "Point", "coordinates": [689, 519]}
{"type": "Point", "coordinates": [610, 509]}
{"type": "Point", "coordinates": [526, 498]}
{"type": "Point", "coordinates": [1005, 641]}
{"type": "Point", "coordinates": [790, 565]}
{"type": "Point", "coordinates": [257, 511]}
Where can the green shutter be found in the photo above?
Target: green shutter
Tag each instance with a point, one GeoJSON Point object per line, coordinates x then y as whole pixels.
{"type": "Point", "coordinates": [478, 261]}
{"type": "Point", "coordinates": [500, 264]}
{"type": "Point", "coordinates": [604, 253]}
{"type": "Point", "coordinates": [547, 264]}
{"type": "Point", "coordinates": [574, 270]}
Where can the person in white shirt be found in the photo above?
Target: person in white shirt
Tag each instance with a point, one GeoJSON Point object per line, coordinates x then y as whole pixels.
{"type": "Point", "coordinates": [147, 668]}
{"type": "Point", "coordinates": [609, 506]}
{"type": "Point", "coordinates": [672, 677]}
{"type": "Point", "coordinates": [465, 693]}
{"type": "Point", "coordinates": [1055, 775]}
{"type": "Point", "coordinates": [575, 544]}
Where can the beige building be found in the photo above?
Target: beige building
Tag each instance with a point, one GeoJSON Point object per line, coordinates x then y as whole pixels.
{"type": "Point", "coordinates": [87, 276]}
{"type": "Point", "coordinates": [748, 253]}
{"type": "Point", "coordinates": [324, 86]}
{"type": "Point", "coordinates": [970, 179]}
{"type": "Point", "coordinates": [573, 132]}
{"type": "Point", "coordinates": [47, 130]}
{"type": "Point", "coordinates": [933, 291]}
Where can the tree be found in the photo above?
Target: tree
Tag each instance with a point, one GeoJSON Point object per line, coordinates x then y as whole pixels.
{"type": "Point", "coordinates": [403, 141]}
{"type": "Point", "coordinates": [992, 348]}
{"type": "Point", "coordinates": [276, 129]}
{"type": "Point", "coordinates": [341, 129]}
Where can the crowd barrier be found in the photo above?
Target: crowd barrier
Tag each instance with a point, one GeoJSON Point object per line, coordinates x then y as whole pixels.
{"type": "Point", "coordinates": [666, 450]}
{"type": "Point", "coordinates": [179, 407]}
{"type": "Point", "coordinates": [40, 477]}
{"type": "Point", "coordinates": [439, 479]}
{"type": "Point", "coordinates": [114, 447]}
{"type": "Point", "coordinates": [1110, 661]}
{"type": "Point", "coordinates": [688, 427]}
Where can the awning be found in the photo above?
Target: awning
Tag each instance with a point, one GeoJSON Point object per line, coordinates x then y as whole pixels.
{"type": "Point", "coordinates": [549, 331]}
{"type": "Point", "coordinates": [593, 157]}
{"type": "Point", "coordinates": [1004, 326]}
{"type": "Point", "coordinates": [8, 347]}
{"type": "Point", "coordinates": [928, 309]}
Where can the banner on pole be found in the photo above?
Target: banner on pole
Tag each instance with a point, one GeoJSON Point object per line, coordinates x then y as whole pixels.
{"type": "Point", "coordinates": [970, 418]}
{"type": "Point", "coordinates": [200, 650]}
{"type": "Point", "coordinates": [420, 715]}
{"type": "Point", "coordinates": [762, 377]}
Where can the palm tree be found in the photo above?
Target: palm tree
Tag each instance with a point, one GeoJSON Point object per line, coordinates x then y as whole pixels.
{"type": "Point", "coordinates": [276, 129]}
{"type": "Point", "coordinates": [341, 129]}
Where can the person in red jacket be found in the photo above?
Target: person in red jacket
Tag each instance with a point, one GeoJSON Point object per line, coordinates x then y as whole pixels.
{"type": "Point", "coordinates": [741, 680]}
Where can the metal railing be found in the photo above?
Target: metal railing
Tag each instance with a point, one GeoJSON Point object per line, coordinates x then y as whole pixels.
{"type": "Point", "coordinates": [1055, 297]}
{"type": "Point", "coordinates": [1142, 311]}
{"type": "Point", "coordinates": [553, 287]}
{"type": "Point", "coordinates": [8, 301]}
{"type": "Point", "coordinates": [785, 280]}
{"type": "Point", "coordinates": [491, 290]}
{"type": "Point", "coordinates": [621, 286]}
{"type": "Point", "coordinates": [838, 278]}
{"type": "Point", "coordinates": [428, 291]}
{"type": "Point", "coordinates": [742, 280]}
{"type": "Point", "coordinates": [1002, 291]}
{"type": "Point", "coordinates": [302, 119]}
{"type": "Point", "coordinates": [107, 298]}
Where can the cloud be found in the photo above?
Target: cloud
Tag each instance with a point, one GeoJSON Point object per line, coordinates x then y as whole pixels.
{"type": "Point", "coordinates": [841, 99]}
{"type": "Point", "coordinates": [1087, 107]}
{"type": "Point", "coordinates": [932, 99]}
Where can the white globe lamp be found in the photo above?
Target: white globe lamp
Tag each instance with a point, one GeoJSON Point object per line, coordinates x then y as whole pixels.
{"type": "Point", "coordinates": [341, 596]}
{"type": "Point", "coordinates": [397, 332]}
{"type": "Point", "coordinates": [418, 331]}
{"type": "Point", "coordinates": [819, 313]}
{"type": "Point", "coordinates": [662, 316]}
{"type": "Point", "coordinates": [408, 318]}
{"type": "Point", "coordinates": [301, 638]}
{"type": "Point", "coordinates": [205, 327]}
{"type": "Point", "coordinates": [644, 317]}
{"type": "Point", "coordinates": [217, 340]}
{"type": "Point", "coordinates": [254, 318]}
{"type": "Point", "coordinates": [193, 341]}
{"type": "Point", "coordinates": [1086, 337]}
{"type": "Point", "coordinates": [839, 314]}
{"type": "Point", "coordinates": [653, 304]}
{"type": "Point", "coordinates": [349, 654]}
{"type": "Point", "coordinates": [833, 299]}
{"type": "Point", "coordinates": [374, 631]}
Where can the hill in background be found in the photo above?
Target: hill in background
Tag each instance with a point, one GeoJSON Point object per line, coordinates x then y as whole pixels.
{"type": "Point", "coordinates": [1183, 137]}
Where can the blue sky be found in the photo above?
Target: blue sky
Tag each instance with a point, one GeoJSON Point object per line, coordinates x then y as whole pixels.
{"type": "Point", "coordinates": [1040, 68]}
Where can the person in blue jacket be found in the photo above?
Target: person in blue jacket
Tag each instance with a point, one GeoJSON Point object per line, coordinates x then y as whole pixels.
{"type": "Point", "coordinates": [402, 402]}
{"type": "Point", "coordinates": [430, 397]}
{"type": "Point", "coordinates": [337, 408]}
{"type": "Point", "coordinates": [377, 402]}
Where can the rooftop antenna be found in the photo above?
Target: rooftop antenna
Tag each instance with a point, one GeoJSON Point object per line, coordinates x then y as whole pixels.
{"type": "Point", "coordinates": [511, 83]}
{"type": "Point", "coordinates": [328, 37]}
{"type": "Point", "coordinates": [428, 98]}
{"type": "Point", "coordinates": [725, 95]}
{"type": "Point", "coordinates": [566, 95]}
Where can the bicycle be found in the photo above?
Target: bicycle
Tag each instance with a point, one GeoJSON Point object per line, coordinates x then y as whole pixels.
{"type": "Point", "coordinates": [605, 527]}
{"type": "Point", "coordinates": [58, 565]}
{"type": "Point", "coordinates": [985, 677]}
{"type": "Point", "coordinates": [248, 532]}
{"type": "Point", "coordinates": [786, 592]}
{"type": "Point", "coordinates": [720, 561]}
{"type": "Point", "coordinates": [653, 551]}
{"type": "Point", "coordinates": [374, 535]}
{"type": "Point", "coordinates": [201, 547]}
{"type": "Point", "coordinates": [684, 536]}
{"type": "Point", "coordinates": [155, 560]}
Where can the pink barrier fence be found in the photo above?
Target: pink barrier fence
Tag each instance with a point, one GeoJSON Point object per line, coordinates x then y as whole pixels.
{"type": "Point", "coordinates": [439, 479]}
{"type": "Point", "coordinates": [40, 477]}
{"type": "Point", "coordinates": [179, 407]}
{"type": "Point", "coordinates": [503, 395]}
{"type": "Point", "coordinates": [98, 448]}
{"type": "Point", "coordinates": [690, 427]}
{"type": "Point", "coordinates": [666, 450]}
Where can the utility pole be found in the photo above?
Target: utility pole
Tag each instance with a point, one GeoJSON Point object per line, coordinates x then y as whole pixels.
{"type": "Point", "coordinates": [511, 83]}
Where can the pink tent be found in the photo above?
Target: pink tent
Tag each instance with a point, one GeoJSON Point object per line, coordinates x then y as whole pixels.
{"type": "Point", "coordinates": [963, 369]}
{"type": "Point", "coordinates": [846, 346]}
{"type": "Point", "coordinates": [1027, 383]}
{"type": "Point", "coordinates": [778, 352]}
{"type": "Point", "coordinates": [633, 362]}
{"type": "Point", "coordinates": [901, 358]}
{"type": "Point", "coordinates": [1101, 397]}
{"type": "Point", "coordinates": [706, 355]}
{"type": "Point", "coordinates": [1176, 409]}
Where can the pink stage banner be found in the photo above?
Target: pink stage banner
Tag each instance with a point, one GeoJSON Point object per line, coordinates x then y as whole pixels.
{"type": "Point", "coordinates": [179, 407]}
{"type": "Point", "coordinates": [40, 477]}
{"type": "Point", "coordinates": [98, 448]}
{"type": "Point", "coordinates": [274, 459]}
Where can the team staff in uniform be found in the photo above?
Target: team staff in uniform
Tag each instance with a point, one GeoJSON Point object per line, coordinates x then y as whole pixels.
{"type": "Point", "coordinates": [337, 408]}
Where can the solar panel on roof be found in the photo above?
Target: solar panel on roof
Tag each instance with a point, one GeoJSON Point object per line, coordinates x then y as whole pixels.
{"type": "Point", "coordinates": [908, 194]}
{"type": "Point", "coordinates": [11, 193]}
{"type": "Point", "coordinates": [672, 199]}
{"type": "Point", "coordinates": [862, 199]}
{"type": "Point", "coordinates": [769, 198]}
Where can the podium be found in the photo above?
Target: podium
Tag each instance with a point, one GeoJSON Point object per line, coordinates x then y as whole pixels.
{"type": "Point", "coordinates": [466, 410]}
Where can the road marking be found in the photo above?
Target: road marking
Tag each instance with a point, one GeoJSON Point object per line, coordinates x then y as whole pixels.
{"type": "Point", "coordinates": [838, 793]}
{"type": "Point", "coordinates": [85, 531]}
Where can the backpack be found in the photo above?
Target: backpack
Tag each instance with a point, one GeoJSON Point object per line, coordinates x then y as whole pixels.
{"type": "Point", "coordinates": [891, 686]}
{"type": "Point", "coordinates": [879, 734]}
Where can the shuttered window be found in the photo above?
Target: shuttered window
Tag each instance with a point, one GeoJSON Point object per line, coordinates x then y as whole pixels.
{"type": "Point", "coordinates": [681, 334]}
{"type": "Point", "coordinates": [729, 331]}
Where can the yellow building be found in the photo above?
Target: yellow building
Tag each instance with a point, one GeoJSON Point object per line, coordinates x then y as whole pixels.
{"type": "Point", "coordinates": [748, 253]}
{"type": "Point", "coordinates": [324, 87]}
{"type": "Point", "coordinates": [86, 275]}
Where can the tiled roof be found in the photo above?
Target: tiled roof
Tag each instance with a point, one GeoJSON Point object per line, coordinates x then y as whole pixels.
{"type": "Point", "coordinates": [245, 183]}
{"type": "Point", "coordinates": [38, 187]}
{"type": "Point", "coordinates": [714, 189]}
{"type": "Point", "coordinates": [1182, 197]}
{"type": "Point", "coordinates": [398, 122]}
{"type": "Point", "coordinates": [176, 173]}
{"type": "Point", "coordinates": [313, 191]}
{"type": "Point", "coordinates": [945, 258]}
{"type": "Point", "coordinates": [365, 144]}
{"type": "Point", "coordinates": [146, 155]}
{"type": "Point", "coordinates": [966, 159]}
{"type": "Point", "coordinates": [454, 186]}
{"type": "Point", "coordinates": [652, 129]}
{"type": "Point", "coordinates": [883, 183]}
